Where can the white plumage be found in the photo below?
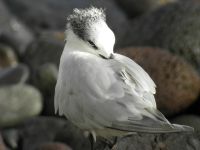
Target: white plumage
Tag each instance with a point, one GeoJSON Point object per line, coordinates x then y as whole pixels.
{"type": "Point", "coordinates": [100, 91]}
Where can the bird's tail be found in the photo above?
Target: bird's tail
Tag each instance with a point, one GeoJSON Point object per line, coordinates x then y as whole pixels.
{"type": "Point", "coordinates": [181, 128]}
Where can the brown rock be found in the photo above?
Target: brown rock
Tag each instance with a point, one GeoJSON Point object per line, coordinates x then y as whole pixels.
{"type": "Point", "coordinates": [178, 84]}
{"type": "Point", "coordinates": [7, 56]}
{"type": "Point", "coordinates": [54, 146]}
{"type": "Point", "coordinates": [173, 27]}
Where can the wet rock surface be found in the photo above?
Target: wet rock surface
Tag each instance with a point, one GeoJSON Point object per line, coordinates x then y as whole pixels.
{"type": "Point", "coordinates": [178, 83]}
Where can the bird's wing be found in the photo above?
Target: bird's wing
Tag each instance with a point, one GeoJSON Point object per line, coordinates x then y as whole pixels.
{"type": "Point", "coordinates": [142, 80]}
{"type": "Point", "coordinates": [96, 94]}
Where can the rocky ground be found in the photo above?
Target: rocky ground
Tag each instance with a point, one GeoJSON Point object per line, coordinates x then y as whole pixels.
{"type": "Point", "coordinates": [161, 35]}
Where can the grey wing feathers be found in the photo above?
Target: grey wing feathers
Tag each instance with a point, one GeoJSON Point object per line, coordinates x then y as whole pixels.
{"type": "Point", "coordinates": [101, 100]}
{"type": "Point", "coordinates": [141, 77]}
{"type": "Point", "coordinates": [162, 128]}
{"type": "Point", "coordinates": [157, 123]}
{"type": "Point", "coordinates": [144, 85]}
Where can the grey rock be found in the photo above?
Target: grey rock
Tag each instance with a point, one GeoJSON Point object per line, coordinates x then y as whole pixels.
{"type": "Point", "coordinates": [46, 77]}
{"type": "Point", "coordinates": [174, 27]}
{"type": "Point", "coordinates": [53, 146]}
{"type": "Point", "coordinates": [172, 141]}
{"type": "Point", "coordinates": [190, 120]}
{"type": "Point", "coordinates": [12, 31]}
{"type": "Point", "coordinates": [7, 56]}
{"type": "Point", "coordinates": [51, 14]}
{"type": "Point", "coordinates": [138, 7]}
{"type": "Point", "coordinates": [14, 75]}
{"type": "Point", "coordinates": [17, 103]}
{"type": "Point", "coordinates": [40, 130]}
{"type": "Point", "coordinates": [46, 49]}
{"type": "Point", "coordinates": [45, 80]}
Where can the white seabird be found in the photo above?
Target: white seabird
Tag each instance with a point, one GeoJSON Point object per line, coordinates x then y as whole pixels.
{"type": "Point", "coordinates": [104, 93]}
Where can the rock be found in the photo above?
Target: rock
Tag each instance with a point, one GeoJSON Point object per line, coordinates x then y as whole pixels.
{"type": "Point", "coordinates": [174, 27]}
{"type": "Point", "coordinates": [46, 77]}
{"type": "Point", "coordinates": [11, 137]}
{"type": "Point", "coordinates": [138, 7]}
{"type": "Point", "coordinates": [14, 75]}
{"type": "Point", "coordinates": [46, 49]}
{"type": "Point", "coordinates": [51, 15]}
{"type": "Point", "coordinates": [43, 57]}
{"type": "Point", "coordinates": [17, 103]}
{"type": "Point", "coordinates": [171, 141]}
{"type": "Point", "coordinates": [7, 56]}
{"type": "Point", "coordinates": [12, 31]}
{"type": "Point", "coordinates": [190, 120]}
{"type": "Point", "coordinates": [178, 84]}
{"type": "Point", "coordinates": [40, 130]}
{"type": "Point", "coordinates": [45, 80]}
{"type": "Point", "coordinates": [2, 145]}
{"type": "Point", "coordinates": [53, 146]}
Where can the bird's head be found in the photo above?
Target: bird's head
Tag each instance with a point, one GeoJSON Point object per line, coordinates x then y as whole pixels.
{"type": "Point", "coordinates": [88, 31]}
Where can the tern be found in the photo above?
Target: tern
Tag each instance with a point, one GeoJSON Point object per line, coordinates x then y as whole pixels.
{"type": "Point", "coordinates": [104, 93]}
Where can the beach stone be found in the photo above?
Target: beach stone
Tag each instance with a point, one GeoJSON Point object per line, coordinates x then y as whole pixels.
{"type": "Point", "coordinates": [174, 27]}
{"type": "Point", "coordinates": [178, 83]}
{"type": "Point", "coordinates": [46, 49]}
{"type": "Point", "coordinates": [138, 7]}
{"type": "Point", "coordinates": [40, 130]}
{"type": "Point", "coordinates": [14, 75]}
{"type": "Point", "coordinates": [12, 31]}
{"type": "Point", "coordinates": [171, 141]}
{"type": "Point", "coordinates": [190, 120]}
{"type": "Point", "coordinates": [51, 15]}
{"type": "Point", "coordinates": [7, 56]}
{"type": "Point", "coordinates": [45, 80]}
{"type": "Point", "coordinates": [53, 146]}
{"type": "Point", "coordinates": [47, 77]}
{"type": "Point", "coordinates": [43, 57]}
{"type": "Point", "coordinates": [17, 103]}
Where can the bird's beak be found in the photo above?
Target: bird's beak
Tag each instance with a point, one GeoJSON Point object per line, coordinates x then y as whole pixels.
{"type": "Point", "coordinates": [106, 55]}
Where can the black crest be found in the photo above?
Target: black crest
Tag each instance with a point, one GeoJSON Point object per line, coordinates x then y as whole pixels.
{"type": "Point", "coordinates": [81, 20]}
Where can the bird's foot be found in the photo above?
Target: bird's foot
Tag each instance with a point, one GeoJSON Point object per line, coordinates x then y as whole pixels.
{"type": "Point", "coordinates": [111, 143]}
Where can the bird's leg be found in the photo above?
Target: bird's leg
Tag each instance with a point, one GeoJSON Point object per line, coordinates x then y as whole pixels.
{"type": "Point", "coordinates": [91, 141]}
{"type": "Point", "coordinates": [111, 142]}
{"type": "Point", "coordinates": [114, 143]}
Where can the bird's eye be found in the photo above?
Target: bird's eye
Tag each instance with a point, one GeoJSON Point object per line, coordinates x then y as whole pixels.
{"type": "Point", "coordinates": [92, 44]}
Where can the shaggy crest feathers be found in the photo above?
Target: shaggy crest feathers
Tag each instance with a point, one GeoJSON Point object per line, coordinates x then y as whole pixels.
{"type": "Point", "coordinates": [81, 19]}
